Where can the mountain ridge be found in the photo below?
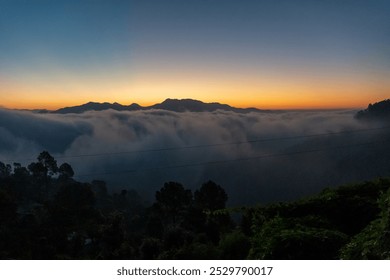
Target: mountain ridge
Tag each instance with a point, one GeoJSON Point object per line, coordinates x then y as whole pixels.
{"type": "Point", "coordinates": [175, 105]}
{"type": "Point", "coordinates": [379, 111]}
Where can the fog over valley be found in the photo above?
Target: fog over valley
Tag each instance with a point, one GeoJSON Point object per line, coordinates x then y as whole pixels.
{"type": "Point", "coordinates": [257, 157]}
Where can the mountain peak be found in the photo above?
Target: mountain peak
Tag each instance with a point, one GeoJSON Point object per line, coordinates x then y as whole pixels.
{"type": "Point", "coordinates": [182, 105]}
{"type": "Point", "coordinates": [175, 105]}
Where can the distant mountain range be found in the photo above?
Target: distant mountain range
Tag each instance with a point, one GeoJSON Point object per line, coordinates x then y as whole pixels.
{"type": "Point", "coordinates": [175, 105]}
{"type": "Point", "coordinates": [95, 106]}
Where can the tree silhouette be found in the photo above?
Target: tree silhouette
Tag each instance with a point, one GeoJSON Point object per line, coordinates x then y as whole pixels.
{"type": "Point", "coordinates": [5, 170]}
{"type": "Point", "coordinates": [78, 220]}
{"type": "Point", "coordinates": [42, 170]}
{"type": "Point", "coordinates": [37, 170]}
{"type": "Point", "coordinates": [210, 197]}
{"type": "Point", "coordinates": [48, 162]}
{"type": "Point", "coordinates": [66, 171]}
{"type": "Point", "coordinates": [173, 200]}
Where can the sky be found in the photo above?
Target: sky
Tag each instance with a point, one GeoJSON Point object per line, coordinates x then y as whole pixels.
{"type": "Point", "coordinates": [248, 53]}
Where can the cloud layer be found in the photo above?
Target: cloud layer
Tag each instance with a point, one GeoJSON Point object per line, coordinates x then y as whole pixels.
{"type": "Point", "coordinates": [256, 157]}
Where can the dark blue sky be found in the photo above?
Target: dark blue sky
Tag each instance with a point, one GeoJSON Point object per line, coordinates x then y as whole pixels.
{"type": "Point", "coordinates": [248, 52]}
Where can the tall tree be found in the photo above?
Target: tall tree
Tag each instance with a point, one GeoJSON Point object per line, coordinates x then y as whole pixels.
{"type": "Point", "coordinates": [66, 171]}
{"type": "Point", "coordinates": [48, 162]}
{"type": "Point", "coordinates": [210, 197]}
{"type": "Point", "coordinates": [173, 200]}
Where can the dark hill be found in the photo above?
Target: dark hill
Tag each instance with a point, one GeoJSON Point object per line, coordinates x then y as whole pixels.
{"type": "Point", "coordinates": [377, 111]}
{"type": "Point", "coordinates": [191, 105]}
{"type": "Point", "coordinates": [95, 106]}
{"type": "Point", "coordinates": [175, 105]}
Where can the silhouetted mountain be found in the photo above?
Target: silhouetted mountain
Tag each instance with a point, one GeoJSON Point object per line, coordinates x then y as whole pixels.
{"type": "Point", "coordinates": [191, 105]}
{"type": "Point", "coordinates": [39, 111]}
{"type": "Point", "coordinates": [376, 111]}
{"type": "Point", "coordinates": [175, 105]}
{"type": "Point", "coordinates": [94, 106]}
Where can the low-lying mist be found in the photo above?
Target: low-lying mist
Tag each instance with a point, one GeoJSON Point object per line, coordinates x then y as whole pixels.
{"type": "Point", "coordinates": [256, 157]}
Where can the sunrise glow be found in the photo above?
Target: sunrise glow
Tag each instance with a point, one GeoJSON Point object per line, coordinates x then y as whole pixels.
{"type": "Point", "coordinates": [246, 54]}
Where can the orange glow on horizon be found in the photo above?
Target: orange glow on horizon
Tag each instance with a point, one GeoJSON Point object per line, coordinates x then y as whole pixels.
{"type": "Point", "coordinates": [270, 104]}
{"type": "Point", "coordinates": [238, 91]}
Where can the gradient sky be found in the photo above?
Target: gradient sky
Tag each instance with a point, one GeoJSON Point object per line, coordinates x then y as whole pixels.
{"type": "Point", "coordinates": [261, 53]}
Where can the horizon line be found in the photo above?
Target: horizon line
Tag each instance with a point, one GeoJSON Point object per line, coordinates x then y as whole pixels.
{"type": "Point", "coordinates": [149, 104]}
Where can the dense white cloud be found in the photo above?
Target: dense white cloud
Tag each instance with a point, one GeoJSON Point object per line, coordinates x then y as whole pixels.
{"type": "Point", "coordinates": [132, 149]}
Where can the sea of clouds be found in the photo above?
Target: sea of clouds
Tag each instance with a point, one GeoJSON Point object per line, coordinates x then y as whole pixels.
{"type": "Point", "coordinates": [256, 157]}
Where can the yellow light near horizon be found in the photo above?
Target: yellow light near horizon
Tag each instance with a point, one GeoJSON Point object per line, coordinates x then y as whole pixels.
{"type": "Point", "coordinates": [281, 100]}
{"type": "Point", "coordinates": [260, 92]}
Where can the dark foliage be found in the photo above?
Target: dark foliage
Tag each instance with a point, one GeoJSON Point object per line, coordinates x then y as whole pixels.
{"type": "Point", "coordinates": [46, 214]}
{"type": "Point", "coordinates": [317, 227]}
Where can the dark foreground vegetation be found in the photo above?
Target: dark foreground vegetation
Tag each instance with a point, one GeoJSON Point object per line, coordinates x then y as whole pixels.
{"type": "Point", "coordinates": [46, 214]}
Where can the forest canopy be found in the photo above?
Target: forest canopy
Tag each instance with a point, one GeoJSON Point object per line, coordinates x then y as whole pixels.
{"type": "Point", "coordinates": [46, 214]}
